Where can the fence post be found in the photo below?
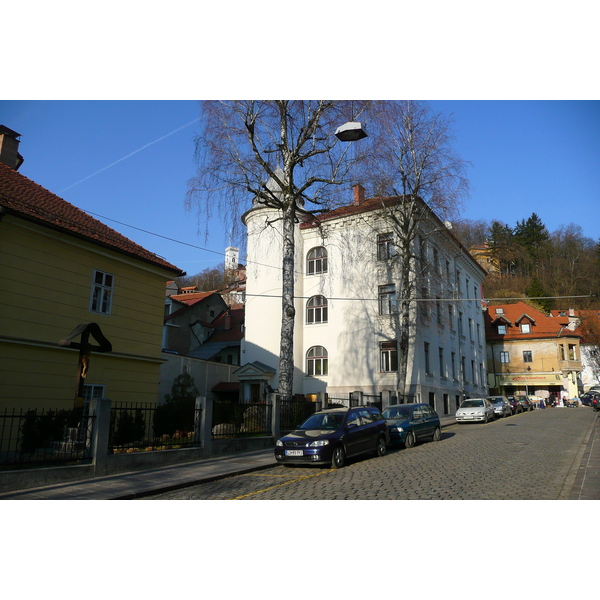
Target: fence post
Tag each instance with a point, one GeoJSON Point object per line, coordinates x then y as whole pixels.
{"type": "Point", "coordinates": [386, 399]}
{"type": "Point", "coordinates": [100, 407]}
{"type": "Point", "coordinates": [275, 402]}
{"type": "Point", "coordinates": [206, 404]}
{"type": "Point", "coordinates": [322, 399]}
{"type": "Point", "coordinates": [358, 396]}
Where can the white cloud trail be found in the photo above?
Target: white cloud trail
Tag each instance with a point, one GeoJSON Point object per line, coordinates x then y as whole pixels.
{"type": "Point", "coordinates": [129, 155]}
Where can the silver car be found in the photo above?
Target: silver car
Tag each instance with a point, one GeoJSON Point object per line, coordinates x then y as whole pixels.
{"type": "Point", "coordinates": [475, 409]}
{"type": "Point", "coordinates": [501, 406]}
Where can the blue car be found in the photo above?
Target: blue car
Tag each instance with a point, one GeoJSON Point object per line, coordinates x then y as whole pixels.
{"type": "Point", "coordinates": [409, 423]}
{"type": "Point", "coordinates": [331, 436]}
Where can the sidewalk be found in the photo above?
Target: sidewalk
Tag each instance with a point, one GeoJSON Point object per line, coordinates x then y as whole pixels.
{"type": "Point", "coordinates": [137, 484]}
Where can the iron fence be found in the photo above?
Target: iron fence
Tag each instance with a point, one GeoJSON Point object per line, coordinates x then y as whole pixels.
{"type": "Point", "coordinates": [234, 419]}
{"type": "Point", "coordinates": [144, 426]}
{"type": "Point", "coordinates": [295, 412]}
{"type": "Point", "coordinates": [31, 437]}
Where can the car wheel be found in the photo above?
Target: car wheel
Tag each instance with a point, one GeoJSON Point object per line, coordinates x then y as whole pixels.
{"type": "Point", "coordinates": [485, 419]}
{"type": "Point", "coordinates": [381, 446]}
{"type": "Point", "coordinates": [437, 434]}
{"type": "Point", "coordinates": [410, 440]}
{"type": "Point", "coordinates": [339, 458]}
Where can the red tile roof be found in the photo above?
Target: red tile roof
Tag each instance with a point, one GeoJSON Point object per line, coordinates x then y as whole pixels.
{"type": "Point", "coordinates": [26, 199]}
{"type": "Point", "coordinates": [367, 205]}
{"type": "Point", "coordinates": [542, 326]}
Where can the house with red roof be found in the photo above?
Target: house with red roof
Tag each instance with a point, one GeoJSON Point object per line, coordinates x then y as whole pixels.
{"type": "Point", "coordinates": [531, 353]}
{"type": "Point", "coordinates": [81, 305]}
{"type": "Point", "coordinates": [587, 324]}
{"type": "Point", "coordinates": [202, 337]}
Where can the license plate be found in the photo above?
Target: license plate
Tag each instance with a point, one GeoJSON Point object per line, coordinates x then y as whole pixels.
{"type": "Point", "coordinates": [294, 453]}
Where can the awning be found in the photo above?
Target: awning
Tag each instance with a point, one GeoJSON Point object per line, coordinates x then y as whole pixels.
{"type": "Point", "coordinates": [530, 378]}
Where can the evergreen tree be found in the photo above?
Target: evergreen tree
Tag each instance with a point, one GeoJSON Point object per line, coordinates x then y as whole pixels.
{"type": "Point", "coordinates": [537, 291]}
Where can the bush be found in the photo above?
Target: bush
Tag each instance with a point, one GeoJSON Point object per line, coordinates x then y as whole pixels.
{"type": "Point", "coordinates": [178, 411]}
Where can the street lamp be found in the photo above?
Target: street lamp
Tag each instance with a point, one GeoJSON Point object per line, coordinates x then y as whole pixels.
{"type": "Point", "coordinates": [351, 131]}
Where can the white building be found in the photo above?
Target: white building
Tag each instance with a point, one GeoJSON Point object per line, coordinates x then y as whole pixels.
{"type": "Point", "coordinates": [345, 337]}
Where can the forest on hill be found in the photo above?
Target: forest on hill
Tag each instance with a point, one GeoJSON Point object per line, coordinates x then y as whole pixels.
{"type": "Point", "coordinates": [559, 270]}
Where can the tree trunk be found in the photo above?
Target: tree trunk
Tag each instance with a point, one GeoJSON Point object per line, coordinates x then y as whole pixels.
{"type": "Point", "coordinates": [288, 311]}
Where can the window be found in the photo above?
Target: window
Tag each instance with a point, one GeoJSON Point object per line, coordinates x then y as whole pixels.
{"type": "Point", "coordinates": [388, 303]}
{"type": "Point", "coordinates": [427, 363]}
{"type": "Point", "coordinates": [102, 290]}
{"type": "Point", "coordinates": [501, 329]}
{"type": "Point", "coordinates": [91, 391]}
{"type": "Point", "coordinates": [316, 361]}
{"type": "Point", "coordinates": [525, 328]}
{"type": "Point", "coordinates": [385, 246]}
{"type": "Point", "coordinates": [316, 261]}
{"type": "Point", "coordinates": [572, 352]}
{"type": "Point", "coordinates": [316, 310]}
{"type": "Point", "coordinates": [389, 356]}
{"type": "Point", "coordinates": [453, 363]}
{"type": "Point", "coordinates": [442, 363]}
{"type": "Point", "coordinates": [527, 356]}
{"type": "Point", "coordinates": [436, 261]}
{"type": "Point", "coordinates": [451, 316]}
{"type": "Point", "coordinates": [425, 305]}
{"type": "Point", "coordinates": [504, 357]}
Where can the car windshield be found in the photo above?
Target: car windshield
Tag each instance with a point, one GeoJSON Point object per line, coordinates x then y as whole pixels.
{"type": "Point", "coordinates": [471, 403]}
{"type": "Point", "coordinates": [323, 421]}
{"type": "Point", "coordinates": [495, 400]}
{"type": "Point", "coordinates": [396, 413]}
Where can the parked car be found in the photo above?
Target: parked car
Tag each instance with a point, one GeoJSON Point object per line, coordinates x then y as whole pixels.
{"type": "Point", "coordinates": [475, 409]}
{"type": "Point", "coordinates": [586, 399]}
{"type": "Point", "coordinates": [409, 423]}
{"type": "Point", "coordinates": [525, 403]}
{"type": "Point", "coordinates": [596, 401]}
{"type": "Point", "coordinates": [501, 406]}
{"type": "Point", "coordinates": [331, 436]}
{"type": "Point", "coordinates": [515, 405]}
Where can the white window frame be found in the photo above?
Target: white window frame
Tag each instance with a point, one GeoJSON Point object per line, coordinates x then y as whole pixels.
{"type": "Point", "coordinates": [103, 287]}
{"type": "Point", "coordinates": [316, 310]}
{"type": "Point", "coordinates": [388, 352]}
{"type": "Point", "coordinates": [388, 301]}
{"type": "Point", "coordinates": [316, 261]}
{"type": "Point", "coordinates": [317, 362]}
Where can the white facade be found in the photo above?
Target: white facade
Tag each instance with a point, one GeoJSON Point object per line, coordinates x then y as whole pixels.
{"type": "Point", "coordinates": [339, 306]}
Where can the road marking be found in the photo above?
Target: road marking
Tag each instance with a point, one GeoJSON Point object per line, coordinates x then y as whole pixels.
{"type": "Point", "coordinates": [280, 485]}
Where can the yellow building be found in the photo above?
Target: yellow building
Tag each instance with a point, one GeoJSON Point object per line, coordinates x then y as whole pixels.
{"type": "Point", "coordinates": [59, 269]}
{"type": "Point", "coordinates": [530, 353]}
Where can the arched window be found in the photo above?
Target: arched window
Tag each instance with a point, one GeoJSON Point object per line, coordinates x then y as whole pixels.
{"type": "Point", "coordinates": [316, 310]}
{"type": "Point", "coordinates": [316, 261]}
{"type": "Point", "coordinates": [316, 361]}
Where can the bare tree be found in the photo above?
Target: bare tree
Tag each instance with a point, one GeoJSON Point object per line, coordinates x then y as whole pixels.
{"type": "Point", "coordinates": [279, 154]}
{"type": "Point", "coordinates": [413, 160]}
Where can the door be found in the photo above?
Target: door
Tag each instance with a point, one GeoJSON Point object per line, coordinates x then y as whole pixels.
{"type": "Point", "coordinates": [353, 437]}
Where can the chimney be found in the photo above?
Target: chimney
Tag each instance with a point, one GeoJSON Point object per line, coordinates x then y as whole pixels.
{"type": "Point", "coordinates": [359, 194]}
{"type": "Point", "coordinates": [9, 146]}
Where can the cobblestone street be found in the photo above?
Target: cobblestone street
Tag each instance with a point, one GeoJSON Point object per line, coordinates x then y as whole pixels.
{"type": "Point", "coordinates": [533, 456]}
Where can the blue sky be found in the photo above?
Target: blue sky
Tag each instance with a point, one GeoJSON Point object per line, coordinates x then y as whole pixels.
{"type": "Point", "coordinates": [128, 164]}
